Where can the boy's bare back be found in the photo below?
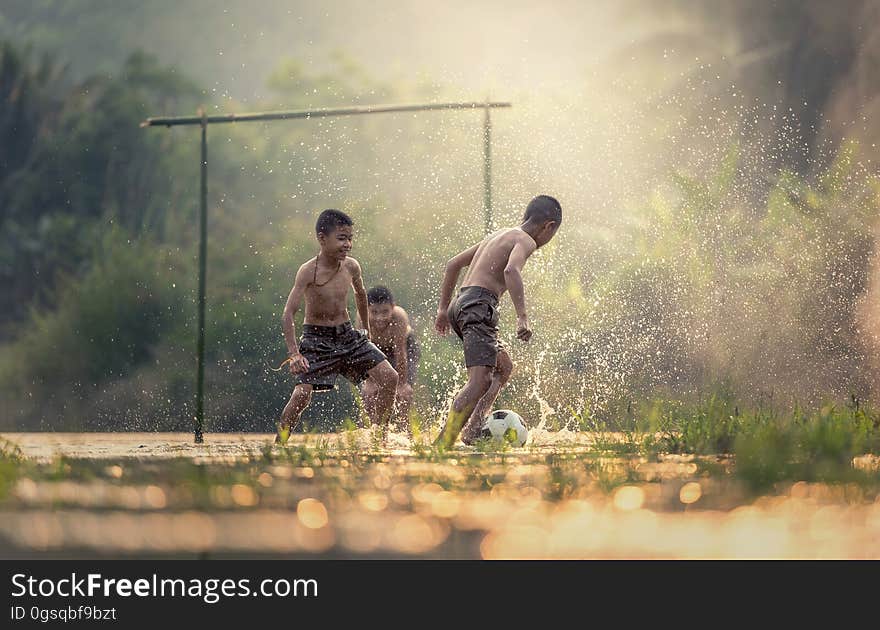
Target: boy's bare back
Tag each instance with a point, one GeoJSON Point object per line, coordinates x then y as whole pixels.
{"type": "Point", "coordinates": [495, 264]}
{"type": "Point", "coordinates": [492, 256]}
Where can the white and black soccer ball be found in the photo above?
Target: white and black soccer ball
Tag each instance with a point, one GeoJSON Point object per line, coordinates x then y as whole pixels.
{"type": "Point", "coordinates": [505, 425]}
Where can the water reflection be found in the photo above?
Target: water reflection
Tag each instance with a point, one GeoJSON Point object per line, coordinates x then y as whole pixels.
{"type": "Point", "coordinates": [324, 498]}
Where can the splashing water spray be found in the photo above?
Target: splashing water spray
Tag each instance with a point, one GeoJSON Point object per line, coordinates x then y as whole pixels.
{"type": "Point", "coordinates": [546, 410]}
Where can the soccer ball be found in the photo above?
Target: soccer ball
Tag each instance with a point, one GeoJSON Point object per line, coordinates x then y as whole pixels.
{"type": "Point", "coordinates": [505, 425]}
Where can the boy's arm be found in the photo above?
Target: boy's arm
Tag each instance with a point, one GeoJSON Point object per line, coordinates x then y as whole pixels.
{"type": "Point", "coordinates": [513, 280]}
{"type": "Point", "coordinates": [400, 326]}
{"type": "Point", "coordinates": [360, 295]}
{"type": "Point", "coordinates": [450, 277]}
{"type": "Point", "coordinates": [298, 363]}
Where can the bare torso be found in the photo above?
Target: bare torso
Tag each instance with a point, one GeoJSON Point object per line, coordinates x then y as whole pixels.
{"type": "Point", "coordinates": [384, 337]}
{"type": "Point", "coordinates": [327, 304]}
{"type": "Point", "coordinates": [487, 267]}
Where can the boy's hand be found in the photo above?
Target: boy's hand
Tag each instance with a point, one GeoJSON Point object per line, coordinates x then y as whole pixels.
{"type": "Point", "coordinates": [523, 332]}
{"type": "Point", "coordinates": [298, 364]}
{"type": "Point", "coordinates": [441, 324]}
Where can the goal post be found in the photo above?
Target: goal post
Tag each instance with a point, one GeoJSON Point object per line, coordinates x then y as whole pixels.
{"type": "Point", "coordinates": [203, 120]}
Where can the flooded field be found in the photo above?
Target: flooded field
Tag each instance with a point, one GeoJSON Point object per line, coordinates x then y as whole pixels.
{"type": "Point", "coordinates": [357, 495]}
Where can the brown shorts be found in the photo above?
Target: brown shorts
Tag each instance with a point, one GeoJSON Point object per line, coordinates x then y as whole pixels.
{"type": "Point", "coordinates": [333, 350]}
{"type": "Point", "coordinates": [473, 315]}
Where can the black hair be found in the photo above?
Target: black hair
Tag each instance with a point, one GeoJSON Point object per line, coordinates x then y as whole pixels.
{"type": "Point", "coordinates": [543, 208]}
{"type": "Point", "coordinates": [379, 295]}
{"type": "Point", "coordinates": [331, 219]}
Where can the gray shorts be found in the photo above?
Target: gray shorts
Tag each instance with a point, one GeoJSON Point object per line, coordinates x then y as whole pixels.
{"type": "Point", "coordinates": [473, 315]}
{"type": "Point", "coordinates": [333, 350]}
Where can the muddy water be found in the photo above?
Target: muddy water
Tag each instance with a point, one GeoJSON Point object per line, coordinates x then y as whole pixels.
{"type": "Point", "coordinates": [353, 495]}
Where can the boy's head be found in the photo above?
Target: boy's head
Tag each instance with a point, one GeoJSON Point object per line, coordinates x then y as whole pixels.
{"type": "Point", "coordinates": [543, 216]}
{"type": "Point", "coordinates": [334, 230]}
{"type": "Point", "coordinates": [381, 304]}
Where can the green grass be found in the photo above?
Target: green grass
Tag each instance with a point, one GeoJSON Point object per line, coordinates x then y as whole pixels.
{"type": "Point", "coordinates": [761, 451]}
{"type": "Point", "coordinates": [11, 464]}
{"type": "Point", "coordinates": [768, 446]}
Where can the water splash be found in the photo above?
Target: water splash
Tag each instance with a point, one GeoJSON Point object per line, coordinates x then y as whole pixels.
{"type": "Point", "coordinates": [546, 410]}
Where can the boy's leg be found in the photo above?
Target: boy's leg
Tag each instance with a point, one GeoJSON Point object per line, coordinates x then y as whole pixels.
{"type": "Point", "coordinates": [299, 400]}
{"type": "Point", "coordinates": [369, 394]}
{"type": "Point", "coordinates": [402, 402]}
{"type": "Point", "coordinates": [479, 380]}
{"type": "Point", "coordinates": [405, 394]}
{"type": "Point", "coordinates": [385, 377]}
{"type": "Point", "coordinates": [500, 376]}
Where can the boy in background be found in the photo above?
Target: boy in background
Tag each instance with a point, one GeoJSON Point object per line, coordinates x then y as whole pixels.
{"type": "Point", "coordinates": [393, 335]}
{"type": "Point", "coordinates": [494, 266]}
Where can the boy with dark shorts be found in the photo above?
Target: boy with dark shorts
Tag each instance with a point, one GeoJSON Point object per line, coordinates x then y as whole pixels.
{"type": "Point", "coordinates": [329, 344]}
{"type": "Point", "coordinates": [495, 265]}
{"type": "Point", "coordinates": [394, 336]}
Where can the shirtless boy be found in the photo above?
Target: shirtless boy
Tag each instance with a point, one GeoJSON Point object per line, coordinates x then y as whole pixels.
{"type": "Point", "coordinates": [329, 344]}
{"type": "Point", "coordinates": [495, 266]}
{"type": "Point", "coordinates": [394, 336]}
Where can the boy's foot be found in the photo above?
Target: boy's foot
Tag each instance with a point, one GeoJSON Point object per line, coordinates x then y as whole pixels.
{"type": "Point", "coordinates": [282, 435]}
{"type": "Point", "coordinates": [471, 432]}
{"type": "Point", "coordinates": [379, 432]}
{"type": "Point", "coordinates": [451, 429]}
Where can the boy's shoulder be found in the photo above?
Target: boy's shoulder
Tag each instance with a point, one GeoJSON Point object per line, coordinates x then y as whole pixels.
{"type": "Point", "coordinates": [352, 265]}
{"type": "Point", "coordinates": [400, 314]}
{"type": "Point", "coordinates": [307, 265]}
{"type": "Point", "coordinates": [523, 237]}
{"type": "Point", "coordinates": [510, 232]}
{"type": "Point", "coordinates": [493, 238]}
{"type": "Point", "coordinates": [505, 236]}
